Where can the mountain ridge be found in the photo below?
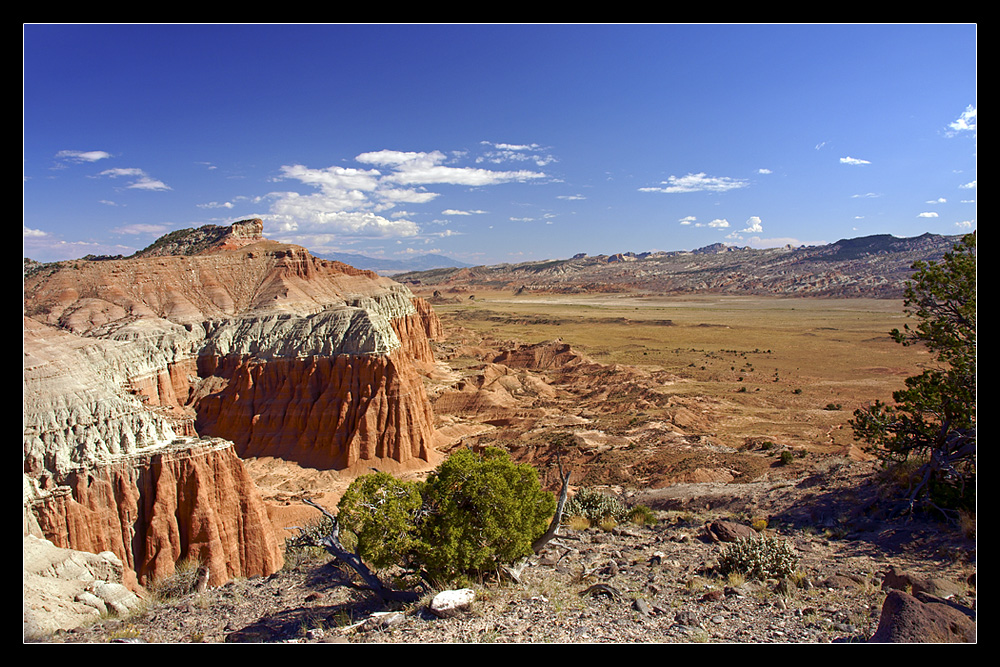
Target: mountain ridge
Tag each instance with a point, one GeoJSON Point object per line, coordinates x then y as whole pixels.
{"type": "Point", "coordinates": [875, 266]}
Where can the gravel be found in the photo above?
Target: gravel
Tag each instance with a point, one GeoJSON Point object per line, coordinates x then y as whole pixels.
{"type": "Point", "coordinates": [630, 584]}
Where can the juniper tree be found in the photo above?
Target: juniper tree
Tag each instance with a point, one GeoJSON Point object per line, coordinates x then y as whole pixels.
{"type": "Point", "coordinates": [933, 421]}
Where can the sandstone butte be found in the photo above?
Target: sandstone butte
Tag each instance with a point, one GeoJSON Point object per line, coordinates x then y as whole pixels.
{"type": "Point", "coordinates": [146, 379]}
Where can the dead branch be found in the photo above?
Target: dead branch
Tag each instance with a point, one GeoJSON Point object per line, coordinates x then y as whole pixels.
{"type": "Point", "coordinates": [332, 544]}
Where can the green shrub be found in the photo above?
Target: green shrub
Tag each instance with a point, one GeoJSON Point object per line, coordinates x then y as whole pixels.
{"type": "Point", "coordinates": [474, 514]}
{"type": "Point", "coordinates": [759, 558]}
{"type": "Point", "coordinates": [483, 511]}
{"type": "Point", "coordinates": [381, 512]}
{"type": "Point", "coordinates": [787, 457]}
{"type": "Point", "coordinates": [595, 506]}
{"type": "Point", "coordinates": [642, 515]}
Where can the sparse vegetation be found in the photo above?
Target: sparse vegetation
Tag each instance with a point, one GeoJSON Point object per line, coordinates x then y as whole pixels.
{"type": "Point", "coordinates": [181, 582]}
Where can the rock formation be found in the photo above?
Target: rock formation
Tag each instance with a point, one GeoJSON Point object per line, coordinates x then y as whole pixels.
{"type": "Point", "coordinates": [66, 589]}
{"type": "Point", "coordinates": [145, 377]}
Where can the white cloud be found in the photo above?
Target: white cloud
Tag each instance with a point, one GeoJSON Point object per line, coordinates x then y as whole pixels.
{"type": "Point", "coordinates": [215, 204]}
{"type": "Point", "coordinates": [965, 224]}
{"type": "Point", "coordinates": [139, 228]}
{"type": "Point", "coordinates": [35, 233]}
{"type": "Point", "coordinates": [764, 171]}
{"type": "Point", "coordinates": [333, 179]}
{"type": "Point", "coordinates": [293, 212]}
{"type": "Point", "coordinates": [965, 122]}
{"type": "Point", "coordinates": [123, 172]}
{"type": "Point", "coordinates": [426, 168]}
{"type": "Point", "coordinates": [753, 225]}
{"type": "Point", "coordinates": [352, 201]}
{"type": "Point", "coordinates": [853, 160]}
{"type": "Point", "coordinates": [82, 156]}
{"type": "Point", "coordinates": [141, 182]}
{"type": "Point", "coordinates": [719, 223]}
{"type": "Point", "coordinates": [452, 211]}
{"type": "Point", "coordinates": [687, 220]}
{"type": "Point", "coordinates": [147, 183]}
{"type": "Point", "coordinates": [503, 152]}
{"type": "Point", "coordinates": [699, 182]}
{"type": "Point", "coordinates": [939, 200]}
{"type": "Point", "coordinates": [927, 214]}
{"type": "Point", "coordinates": [571, 197]}
{"type": "Point", "coordinates": [971, 185]}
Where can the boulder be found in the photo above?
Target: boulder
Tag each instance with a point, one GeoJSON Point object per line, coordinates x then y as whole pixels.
{"type": "Point", "coordinates": [908, 619]}
{"type": "Point", "coordinates": [453, 602]}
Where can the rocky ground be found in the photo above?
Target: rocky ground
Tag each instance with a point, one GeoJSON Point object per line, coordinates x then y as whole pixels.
{"type": "Point", "coordinates": [627, 584]}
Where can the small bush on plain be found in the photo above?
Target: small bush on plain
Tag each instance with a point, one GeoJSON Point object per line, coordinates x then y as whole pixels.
{"type": "Point", "coordinates": [595, 506]}
{"type": "Point", "coordinates": [759, 558]}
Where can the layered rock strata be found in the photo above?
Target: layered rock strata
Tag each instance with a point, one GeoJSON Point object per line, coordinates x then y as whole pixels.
{"type": "Point", "coordinates": [252, 342]}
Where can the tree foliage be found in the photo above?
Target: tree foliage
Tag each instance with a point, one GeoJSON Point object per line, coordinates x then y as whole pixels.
{"type": "Point", "coordinates": [474, 514]}
{"type": "Point", "coordinates": [381, 512]}
{"type": "Point", "coordinates": [933, 421]}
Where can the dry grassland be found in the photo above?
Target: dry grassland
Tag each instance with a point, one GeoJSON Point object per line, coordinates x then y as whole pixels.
{"type": "Point", "coordinates": [791, 370]}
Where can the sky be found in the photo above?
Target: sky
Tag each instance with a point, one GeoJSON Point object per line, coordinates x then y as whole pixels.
{"type": "Point", "coordinates": [497, 143]}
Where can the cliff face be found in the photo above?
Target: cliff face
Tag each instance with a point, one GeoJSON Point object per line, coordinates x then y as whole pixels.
{"type": "Point", "coordinates": [190, 499]}
{"type": "Point", "coordinates": [248, 340]}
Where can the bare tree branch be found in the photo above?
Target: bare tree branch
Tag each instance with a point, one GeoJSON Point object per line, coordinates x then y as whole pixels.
{"type": "Point", "coordinates": [333, 545]}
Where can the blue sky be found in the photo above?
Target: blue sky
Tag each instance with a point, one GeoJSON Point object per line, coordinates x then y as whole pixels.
{"type": "Point", "coordinates": [497, 143]}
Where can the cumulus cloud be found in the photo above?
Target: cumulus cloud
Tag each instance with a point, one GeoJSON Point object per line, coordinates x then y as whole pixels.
{"type": "Point", "coordinates": [699, 182]}
{"type": "Point", "coordinates": [927, 214]}
{"type": "Point", "coordinates": [293, 212]}
{"type": "Point", "coordinates": [764, 171]}
{"type": "Point", "coordinates": [333, 179]}
{"type": "Point", "coordinates": [853, 160]}
{"type": "Point", "coordinates": [33, 233]}
{"type": "Point", "coordinates": [965, 224]}
{"type": "Point", "coordinates": [356, 202]}
{"type": "Point", "coordinates": [753, 225]}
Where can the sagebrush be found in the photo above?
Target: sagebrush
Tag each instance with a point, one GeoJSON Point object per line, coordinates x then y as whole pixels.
{"type": "Point", "coordinates": [759, 558]}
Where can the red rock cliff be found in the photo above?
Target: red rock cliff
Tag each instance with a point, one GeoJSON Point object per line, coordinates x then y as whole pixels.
{"type": "Point", "coordinates": [242, 338]}
{"type": "Point", "coordinates": [193, 499]}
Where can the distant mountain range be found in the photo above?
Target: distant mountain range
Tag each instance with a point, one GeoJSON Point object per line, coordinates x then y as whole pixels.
{"type": "Point", "coordinates": [871, 266]}
{"type": "Point", "coordinates": [393, 266]}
